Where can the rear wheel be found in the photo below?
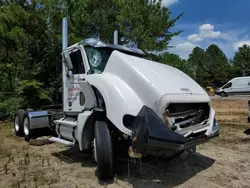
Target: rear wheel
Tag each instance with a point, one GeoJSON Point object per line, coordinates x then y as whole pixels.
{"type": "Point", "coordinates": [103, 151]}
{"type": "Point", "coordinates": [18, 122]}
{"type": "Point", "coordinates": [26, 127]}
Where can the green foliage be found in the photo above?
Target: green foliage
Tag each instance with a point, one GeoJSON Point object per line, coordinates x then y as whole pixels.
{"type": "Point", "coordinates": [8, 106]}
{"type": "Point", "coordinates": [144, 25]}
{"type": "Point", "coordinates": [242, 60]}
{"type": "Point", "coordinates": [210, 67]}
{"type": "Point", "coordinates": [216, 65]}
{"type": "Point", "coordinates": [175, 61]}
{"type": "Point", "coordinates": [139, 24]}
{"type": "Point", "coordinates": [29, 56]}
{"type": "Point", "coordinates": [30, 45]}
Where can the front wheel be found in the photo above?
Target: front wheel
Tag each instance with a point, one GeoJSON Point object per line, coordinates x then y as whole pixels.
{"type": "Point", "coordinates": [103, 151]}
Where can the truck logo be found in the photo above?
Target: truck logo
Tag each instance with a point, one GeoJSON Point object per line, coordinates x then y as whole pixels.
{"type": "Point", "coordinates": [185, 89]}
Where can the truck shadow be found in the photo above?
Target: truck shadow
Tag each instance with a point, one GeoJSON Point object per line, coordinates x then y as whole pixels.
{"type": "Point", "coordinates": [162, 173]}
{"type": "Point", "coordinates": [73, 155]}
{"type": "Point", "coordinates": [247, 131]}
{"type": "Point", "coordinates": [155, 172]}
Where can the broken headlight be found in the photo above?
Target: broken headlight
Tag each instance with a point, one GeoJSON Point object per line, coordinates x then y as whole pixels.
{"type": "Point", "coordinates": [215, 126]}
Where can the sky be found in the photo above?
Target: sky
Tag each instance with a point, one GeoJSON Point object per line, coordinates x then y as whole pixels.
{"type": "Point", "coordinates": [225, 23]}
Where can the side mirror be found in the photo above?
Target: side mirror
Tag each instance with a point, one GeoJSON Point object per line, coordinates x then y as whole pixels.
{"type": "Point", "coordinates": [69, 74]}
{"type": "Point", "coordinates": [67, 61]}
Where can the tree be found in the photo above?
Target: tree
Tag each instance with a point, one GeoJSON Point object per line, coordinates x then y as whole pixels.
{"type": "Point", "coordinates": [241, 60]}
{"type": "Point", "coordinates": [146, 26]}
{"type": "Point", "coordinates": [30, 40]}
{"type": "Point", "coordinates": [216, 65]}
{"type": "Point", "coordinates": [29, 62]}
{"type": "Point", "coordinates": [139, 24]}
{"type": "Point", "coordinates": [196, 61]}
{"type": "Point", "coordinates": [175, 61]}
{"type": "Point", "coordinates": [210, 67]}
{"type": "Point", "coordinates": [234, 70]}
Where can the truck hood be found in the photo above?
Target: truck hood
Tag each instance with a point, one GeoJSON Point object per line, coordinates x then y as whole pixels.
{"type": "Point", "coordinates": [152, 80]}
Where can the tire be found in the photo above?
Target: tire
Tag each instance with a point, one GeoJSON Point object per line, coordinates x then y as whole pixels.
{"type": "Point", "coordinates": [26, 127]}
{"type": "Point", "coordinates": [103, 151]}
{"type": "Point", "coordinates": [18, 122]}
{"type": "Point", "coordinates": [223, 94]}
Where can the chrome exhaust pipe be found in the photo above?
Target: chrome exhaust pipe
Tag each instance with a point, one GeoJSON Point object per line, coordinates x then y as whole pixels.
{"type": "Point", "coordinates": [116, 37]}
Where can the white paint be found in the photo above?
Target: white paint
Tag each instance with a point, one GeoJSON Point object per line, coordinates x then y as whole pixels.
{"type": "Point", "coordinates": [128, 83]}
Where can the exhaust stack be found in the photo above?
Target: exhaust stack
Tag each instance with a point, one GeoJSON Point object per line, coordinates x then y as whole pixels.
{"type": "Point", "coordinates": [64, 33]}
{"type": "Point", "coordinates": [64, 78]}
{"type": "Point", "coordinates": [116, 37]}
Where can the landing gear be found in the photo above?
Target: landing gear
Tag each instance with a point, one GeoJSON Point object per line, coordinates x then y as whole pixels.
{"type": "Point", "coordinates": [103, 151]}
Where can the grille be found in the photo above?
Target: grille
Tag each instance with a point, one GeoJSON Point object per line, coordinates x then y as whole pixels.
{"type": "Point", "coordinates": [183, 115]}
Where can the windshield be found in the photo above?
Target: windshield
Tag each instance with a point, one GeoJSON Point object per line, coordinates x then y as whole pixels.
{"type": "Point", "coordinates": [98, 58]}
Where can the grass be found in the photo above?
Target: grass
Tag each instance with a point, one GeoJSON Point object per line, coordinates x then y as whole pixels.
{"type": "Point", "coordinates": [5, 126]}
{"type": "Point", "coordinates": [23, 165]}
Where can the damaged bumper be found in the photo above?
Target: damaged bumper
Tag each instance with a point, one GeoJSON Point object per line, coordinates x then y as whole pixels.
{"type": "Point", "coordinates": [150, 135]}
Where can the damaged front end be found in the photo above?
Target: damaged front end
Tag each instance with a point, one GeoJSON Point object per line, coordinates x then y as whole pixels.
{"type": "Point", "coordinates": [185, 126]}
{"type": "Point", "coordinates": [187, 118]}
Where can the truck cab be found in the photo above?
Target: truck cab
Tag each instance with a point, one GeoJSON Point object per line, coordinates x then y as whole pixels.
{"type": "Point", "coordinates": [88, 57]}
{"type": "Point", "coordinates": [114, 99]}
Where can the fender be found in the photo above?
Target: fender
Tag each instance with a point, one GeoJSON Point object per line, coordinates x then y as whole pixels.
{"type": "Point", "coordinates": [119, 98]}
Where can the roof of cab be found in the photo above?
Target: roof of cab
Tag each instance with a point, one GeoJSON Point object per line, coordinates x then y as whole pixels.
{"type": "Point", "coordinates": [97, 44]}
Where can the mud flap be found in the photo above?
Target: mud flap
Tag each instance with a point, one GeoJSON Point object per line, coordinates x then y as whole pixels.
{"type": "Point", "coordinates": [149, 132]}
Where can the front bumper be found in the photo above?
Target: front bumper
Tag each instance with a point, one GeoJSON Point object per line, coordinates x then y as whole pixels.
{"type": "Point", "coordinates": [151, 136]}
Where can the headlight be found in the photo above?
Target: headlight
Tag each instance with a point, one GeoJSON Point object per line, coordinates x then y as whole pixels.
{"type": "Point", "coordinates": [215, 126]}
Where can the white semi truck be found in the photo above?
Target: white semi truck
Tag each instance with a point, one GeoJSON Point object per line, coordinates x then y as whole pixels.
{"type": "Point", "coordinates": [112, 96]}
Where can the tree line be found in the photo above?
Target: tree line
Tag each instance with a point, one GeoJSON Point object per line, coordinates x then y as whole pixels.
{"type": "Point", "coordinates": [30, 45]}
{"type": "Point", "coordinates": [211, 67]}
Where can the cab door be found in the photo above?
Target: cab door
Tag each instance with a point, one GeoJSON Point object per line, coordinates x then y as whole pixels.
{"type": "Point", "coordinates": [228, 88]}
{"type": "Point", "coordinates": [79, 95]}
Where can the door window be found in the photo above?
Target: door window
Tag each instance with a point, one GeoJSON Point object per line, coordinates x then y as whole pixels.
{"type": "Point", "coordinates": [227, 85]}
{"type": "Point", "coordinates": [77, 62]}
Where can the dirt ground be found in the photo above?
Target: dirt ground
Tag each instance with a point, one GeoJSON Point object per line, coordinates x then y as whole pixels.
{"type": "Point", "coordinates": [222, 162]}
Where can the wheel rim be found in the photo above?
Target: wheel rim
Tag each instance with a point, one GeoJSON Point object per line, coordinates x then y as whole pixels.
{"type": "Point", "coordinates": [16, 123]}
{"type": "Point", "coordinates": [26, 126]}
